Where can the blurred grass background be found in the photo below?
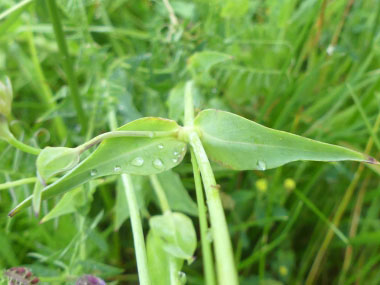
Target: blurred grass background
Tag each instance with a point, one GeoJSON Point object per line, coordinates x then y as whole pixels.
{"type": "Point", "coordinates": [310, 67]}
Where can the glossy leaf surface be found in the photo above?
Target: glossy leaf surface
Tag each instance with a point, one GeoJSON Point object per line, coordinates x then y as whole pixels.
{"type": "Point", "coordinates": [241, 144]}
{"type": "Point", "coordinates": [133, 155]}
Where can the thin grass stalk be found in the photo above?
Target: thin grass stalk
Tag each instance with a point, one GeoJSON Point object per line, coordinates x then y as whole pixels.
{"type": "Point", "coordinates": [67, 63]}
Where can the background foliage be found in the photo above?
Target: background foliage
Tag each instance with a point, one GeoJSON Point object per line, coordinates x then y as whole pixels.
{"type": "Point", "coordinates": [309, 67]}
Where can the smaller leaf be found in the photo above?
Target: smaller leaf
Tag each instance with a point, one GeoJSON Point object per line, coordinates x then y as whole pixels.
{"type": "Point", "coordinates": [178, 233]}
{"type": "Point", "coordinates": [53, 160]}
{"type": "Point", "coordinates": [68, 204]}
{"type": "Point", "coordinates": [159, 260]}
{"type": "Point", "coordinates": [6, 97]}
{"type": "Point", "coordinates": [178, 197]}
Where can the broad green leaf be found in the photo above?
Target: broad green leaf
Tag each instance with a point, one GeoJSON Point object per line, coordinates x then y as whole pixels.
{"type": "Point", "coordinates": [241, 144]}
{"type": "Point", "coordinates": [132, 155]}
{"type": "Point", "coordinates": [159, 260]}
{"type": "Point", "coordinates": [53, 160]}
{"type": "Point", "coordinates": [178, 197]}
{"type": "Point", "coordinates": [177, 232]}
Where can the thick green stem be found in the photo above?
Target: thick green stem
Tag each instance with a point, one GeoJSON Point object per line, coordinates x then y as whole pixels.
{"type": "Point", "coordinates": [206, 245]}
{"type": "Point", "coordinates": [66, 62]}
{"type": "Point", "coordinates": [137, 229]}
{"type": "Point", "coordinates": [202, 212]}
{"type": "Point", "coordinates": [226, 269]}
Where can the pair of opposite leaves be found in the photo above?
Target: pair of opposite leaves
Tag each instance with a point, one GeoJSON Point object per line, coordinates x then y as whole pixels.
{"type": "Point", "coordinates": [230, 140]}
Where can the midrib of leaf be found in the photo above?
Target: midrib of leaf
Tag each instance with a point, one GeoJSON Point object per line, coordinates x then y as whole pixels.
{"type": "Point", "coordinates": [204, 134]}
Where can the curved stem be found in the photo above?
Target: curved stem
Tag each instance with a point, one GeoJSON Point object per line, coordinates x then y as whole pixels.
{"type": "Point", "coordinates": [24, 147]}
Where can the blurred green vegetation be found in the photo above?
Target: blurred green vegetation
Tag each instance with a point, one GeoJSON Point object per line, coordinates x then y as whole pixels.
{"type": "Point", "coordinates": [310, 67]}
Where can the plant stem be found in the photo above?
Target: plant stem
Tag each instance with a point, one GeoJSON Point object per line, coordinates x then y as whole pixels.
{"type": "Point", "coordinates": [138, 234]}
{"type": "Point", "coordinates": [119, 134]}
{"type": "Point", "coordinates": [222, 244]}
{"type": "Point", "coordinates": [160, 193]}
{"type": "Point", "coordinates": [24, 147]}
{"type": "Point", "coordinates": [66, 62]}
{"type": "Point", "coordinates": [206, 247]}
{"type": "Point", "coordinates": [45, 94]}
{"type": "Point", "coordinates": [202, 212]}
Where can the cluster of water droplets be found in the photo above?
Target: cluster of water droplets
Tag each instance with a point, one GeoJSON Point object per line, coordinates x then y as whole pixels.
{"type": "Point", "coordinates": [139, 161]}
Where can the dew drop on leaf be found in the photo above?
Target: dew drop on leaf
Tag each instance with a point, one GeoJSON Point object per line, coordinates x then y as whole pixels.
{"type": "Point", "coordinates": [175, 160]}
{"type": "Point", "coordinates": [157, 163]}
{"type": "Point", "coordinates": [261, 165]}
{"type": "Point", "coordinates": [176, 153]}
{"type": "Point", "coordinates": [182, 277]}
{"type": "Point", "coordinates": [93, 172]}
{"type": "Point", "coordinates": [138, 161]}
{"type": "Point", "coordinates": [160, 146]}
{"type": "Point", "coordinates": [117, 168]}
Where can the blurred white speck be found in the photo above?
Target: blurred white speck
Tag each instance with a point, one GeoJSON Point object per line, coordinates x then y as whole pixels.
{"type": "Point", "coordinates": [330, 49]}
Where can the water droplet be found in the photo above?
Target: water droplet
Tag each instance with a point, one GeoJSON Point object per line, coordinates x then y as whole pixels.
{"type": "Point", "coordinates": [157, 163]}
{"type": "Point", "coordinates": [138, 161]}
{"type": "Point", "coordinates": [160, 146]}
{"type": "Point", "coordinates": [175, 160]}
{"type": "Point", "coordinates": [93, 172]}
{"type": "Point", "coordinates": [183, 149]}
{"type": "Point", "coordinates": [182, 277]}
{"type": "Point", "coordinates": [261, 165]}
{"type": "Point", "coordinates": [117, 168]}
{"type": "Point", "coordinates": [176, 153]}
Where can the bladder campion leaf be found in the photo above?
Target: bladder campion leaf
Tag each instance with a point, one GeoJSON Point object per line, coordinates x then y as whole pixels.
{"type": "Point", "coordinates": [132, 155]}
{"type": "Point", "coordinates": [177, 232]}
{"type": "Point", "coordinates": [241, 144]}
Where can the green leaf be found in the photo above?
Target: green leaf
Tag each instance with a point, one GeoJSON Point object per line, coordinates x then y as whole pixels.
{"type": "Point", "coordinates": [67, 205]}
{"type": "Point", "coordinates": [178, 197]}
{"type": "Point", "coordinates": [200, 64]}
{"type": "Point", "coordinates": [53, 160]}
{"type": "Point", "coordinates": [177, 232]}
{"type": "Point", "coordinates": [159, 260]}
{"type": "Point", "coordinates": [241, 144]}
{"type": "Point", "coordinates": [132, 155]}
